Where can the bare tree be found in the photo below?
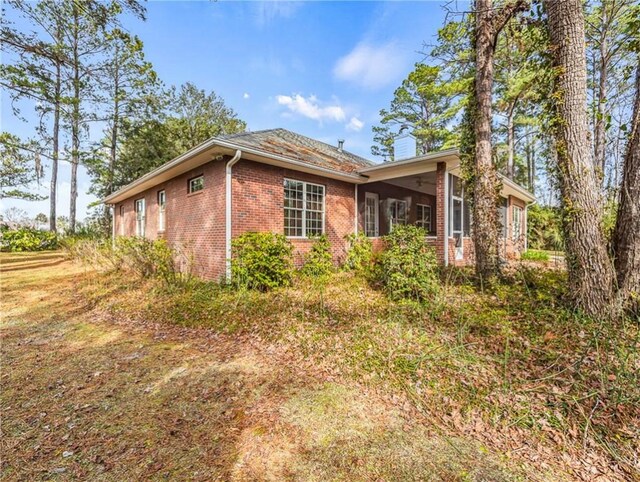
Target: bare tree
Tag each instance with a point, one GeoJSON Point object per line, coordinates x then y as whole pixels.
{"type": "Point", "coordinates": [590, 271]}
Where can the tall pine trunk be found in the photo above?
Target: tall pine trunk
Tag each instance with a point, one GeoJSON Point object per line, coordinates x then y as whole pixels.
{"type": "Point", "coordinates": [57, 99]}
{"type": "Point", "coordinates": [627, 231]}
{"type": "Point", "coordinates": [511, 141]}
{"type": "Point", "coordinates": [485, 185]}
{"type": "Point", "coordinates": [590, 270]}
{"type": "Point", "coordinates": [75, 123]}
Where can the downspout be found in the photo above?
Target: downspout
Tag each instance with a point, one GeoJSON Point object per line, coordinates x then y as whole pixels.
{"type": "Point", "coordinates": [227, 213]}
{"type": "Point", "coordinates": [355, 221]}
{"type": "Point", "coordinates": [446, 217]}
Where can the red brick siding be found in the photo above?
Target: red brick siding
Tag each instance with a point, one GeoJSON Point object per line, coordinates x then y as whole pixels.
{"type": "Point", "coordinates": [194, 223]}
{"type": "Point", "coordinates": [258, 204]}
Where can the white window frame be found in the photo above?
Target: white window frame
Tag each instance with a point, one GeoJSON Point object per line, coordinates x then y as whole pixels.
{"type": "Point", "coordinates": [190, 184]}
{"type": "Point", "coordinates": [162, 207]}
{"type": "Point", "coordinates": [375, 197]}
{"type": "Point", "coordinates": [452, 198]}
{"type": "Point", "coordinates": [420, 220]}
{"type": "Point", "coordinates": [393, 206]}
{"type": "Point", "coordinates": [141, 217]}
{"type": "Point", "coordinates": [516, 222]}
{"type": "Point", "coordinates": [304, 208]}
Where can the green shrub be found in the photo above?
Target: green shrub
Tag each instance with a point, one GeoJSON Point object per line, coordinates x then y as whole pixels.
{"type": "Point", "coordinates": [535, 255]}
{"type": "Point", "coordinates": [261, 261]}
{"type": "Point", "coordinates": [360, 253]}
{"type": "Point", "coordinates": [143, 257]}
{"type": "Point", "coordinates": [27, 239]}
{"type": "Point", "coordinates": [407, 268]}
{"type": "Point", "coordinates": [318, 262]}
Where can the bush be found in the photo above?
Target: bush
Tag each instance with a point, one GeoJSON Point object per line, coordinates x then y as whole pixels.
{"type": "Point", "coordinates": [261, 261]}
{"type": "Point", "coordinates": [407, 268]}
{"type": "Point", "coordinates": [27, 239]}
{"type": "Point", "coordinates": [143, 257]}
{"type": "Point", "coordinates": [318, 262]}
{"type": "Point", "coordinates": [360, 253]}
{"type": "Point", "coordinates": [535, 255]}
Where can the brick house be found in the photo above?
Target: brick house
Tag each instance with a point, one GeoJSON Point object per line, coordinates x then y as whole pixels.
{"type": "Point", "coordinates": [276, 180]}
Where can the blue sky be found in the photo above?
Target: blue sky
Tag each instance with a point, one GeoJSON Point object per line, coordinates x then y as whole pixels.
{"type": "Point", "coordinates": [323, 69]}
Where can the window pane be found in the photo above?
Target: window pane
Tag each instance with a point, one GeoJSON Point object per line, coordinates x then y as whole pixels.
{"type": "Point", "coordinates": [303, 208]}
{"type": "Point", "coordinates": [370, 216]}
{"type": "Point", "coordinates": [293, 222]}
{"type": "Point", "coordinates": [456, 186]}
{"type": "Point", "coordinates": [457, 215]}
{"type": "Point", "coordinates": [196, 184]}
{"type": "Point", "coordinates": [314, 223]}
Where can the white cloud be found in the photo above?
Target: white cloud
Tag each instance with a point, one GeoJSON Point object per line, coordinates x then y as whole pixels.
{"type": "Point", "coordinates": [245, 95]}
{"type": "Point", "coordinates": [371, 66]}
{"type": "Point", "coordinates": [311, 108]}
{"type": "Point", "coordinates": [355, 124]}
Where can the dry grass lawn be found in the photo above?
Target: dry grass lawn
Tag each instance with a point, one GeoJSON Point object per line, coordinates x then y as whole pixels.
{"type": "Point", "coordinates": [86, 395]}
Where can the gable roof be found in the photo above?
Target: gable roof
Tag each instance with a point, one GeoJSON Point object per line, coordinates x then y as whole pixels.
{"type": "Point", "coordinates": [284, 148]}
{"type": "Point", "coordinates": [300, 148]}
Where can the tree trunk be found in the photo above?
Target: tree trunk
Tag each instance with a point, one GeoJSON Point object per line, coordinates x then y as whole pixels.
{"type": "Point", "coordinates": [56, 140]}
{"type": "Point", "coordinates": [601, 121]}
{"type": "Point", "coordinates": [627, 231]}
{"type": "Point", "coordinates": [75, 124]}
{"type": "Point", "coordinates": [485, 187]}
{"type": "Point", "coordinates": [510, 141]}
{"type": "Point", "coordinates": [590, 271]}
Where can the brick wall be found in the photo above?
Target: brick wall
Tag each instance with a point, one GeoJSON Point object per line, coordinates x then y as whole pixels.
{"type": "Point", "coordinates": [258, 204]}
{"type": "Point", "coordinates": [194, 223]}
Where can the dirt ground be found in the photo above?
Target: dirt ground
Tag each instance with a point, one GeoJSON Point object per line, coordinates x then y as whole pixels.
{"type": "Point", "coordinates": [86, 397]}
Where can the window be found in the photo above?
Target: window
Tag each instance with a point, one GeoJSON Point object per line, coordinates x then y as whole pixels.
{"type": "Point", "coordinates": [196, 184]}
{"type": "Point", "coordinates": [162, 202]}
{"type": "Point", "coordinates": [303, 208]}
{"type": "Point", "coordinates": [503, 215]}
{"type": "Point", "coordinates": [516, 223]}
{"type": "Point", "coordinates": [423, 218]}
{"type": "Point", "coordinates": [456, 206]}
{"type": "Point", "coordinates": [371, 214]}
{"type": "Point", "coordinates": [122, 210]}
{"type": "Point", "coordinates": [397, 212]}
{"type": "Point", "coordinates": [140, 217]}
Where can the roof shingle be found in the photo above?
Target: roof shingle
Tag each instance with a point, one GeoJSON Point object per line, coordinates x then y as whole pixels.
{"type": "Point", "coordinates": [301, 148]}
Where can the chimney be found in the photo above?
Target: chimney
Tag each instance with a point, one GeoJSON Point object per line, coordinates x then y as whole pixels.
{"type": "Point", "coordinates": [340, 144]}
{"type": "Point", "coordinates": [404, 146]}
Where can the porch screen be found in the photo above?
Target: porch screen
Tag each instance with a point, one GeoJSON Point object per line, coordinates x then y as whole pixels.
{"type": "Point", "coordinates": [397, 212]}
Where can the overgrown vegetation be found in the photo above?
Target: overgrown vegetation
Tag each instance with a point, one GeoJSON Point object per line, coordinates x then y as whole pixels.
{"type": "Point", "coordinates": [407, 268]}
{"type": "Point", "coordinates": [359, 257]}
{"type": "Point", "coordinates": [511, 359]}
{"type": "Point", "coordinates": [318, 262]}
{"type": "Point", "coordinates": [261, 261]}
{"type": "Point", "coordinates": [27, 239]}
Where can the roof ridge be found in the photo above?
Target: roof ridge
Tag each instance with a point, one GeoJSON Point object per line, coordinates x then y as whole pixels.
{"type": "Point", "coordinates": [324, 143]}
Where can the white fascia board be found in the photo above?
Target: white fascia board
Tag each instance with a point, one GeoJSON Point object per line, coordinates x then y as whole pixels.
{"type": "Point", "coordinates": [204, 153]}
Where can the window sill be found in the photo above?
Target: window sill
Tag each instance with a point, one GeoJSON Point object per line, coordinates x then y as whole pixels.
{"type": "Point", "coordinates": [195, 193]}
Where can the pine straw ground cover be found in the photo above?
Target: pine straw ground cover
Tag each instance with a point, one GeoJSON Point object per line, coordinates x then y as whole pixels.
{"type": "Point", "coordinates": [108, 377]}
